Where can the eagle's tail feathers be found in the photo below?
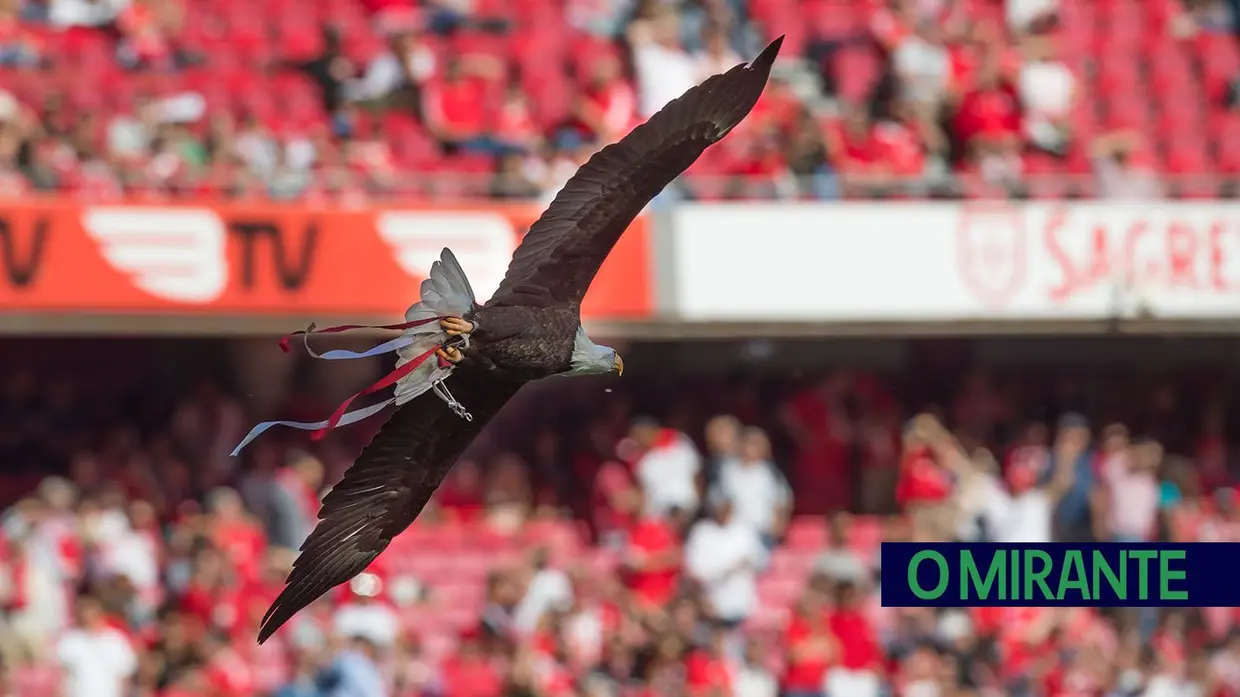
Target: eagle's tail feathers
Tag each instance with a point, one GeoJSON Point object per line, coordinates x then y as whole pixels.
{"type": "Point", "coordinates": [446, 291]}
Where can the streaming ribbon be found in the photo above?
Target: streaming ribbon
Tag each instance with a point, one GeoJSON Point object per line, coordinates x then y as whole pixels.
{"type": "Point", "coordinates": [341, 417]}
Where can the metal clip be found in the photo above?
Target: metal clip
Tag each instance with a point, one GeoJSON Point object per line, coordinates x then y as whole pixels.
{"type": "Point", "coordinates": [441, 390]}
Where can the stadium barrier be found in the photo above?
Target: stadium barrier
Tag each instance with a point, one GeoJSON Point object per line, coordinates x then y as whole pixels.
{"type": "Point", "coordinates": [272, 260]}
{"type": "Point", "coordinates": [732, 268]}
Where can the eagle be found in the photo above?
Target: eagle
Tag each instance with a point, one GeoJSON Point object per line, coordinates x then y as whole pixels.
{"type": "Point", "coordinates": [529, 329]}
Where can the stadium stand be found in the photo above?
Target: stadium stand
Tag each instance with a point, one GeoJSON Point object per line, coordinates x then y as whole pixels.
{"type": "Point", "coordinates": [448, 99]}
{"type": "Point", "coordinates": [579, 556]}
{"type": "Point", "coordinates": [726, 548]}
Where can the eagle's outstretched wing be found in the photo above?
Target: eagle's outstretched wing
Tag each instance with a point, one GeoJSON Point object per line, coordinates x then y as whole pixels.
{"type": "Point", "coordinates": [384, 491]}
{"type": "Point", "coordinates": [566, 246]}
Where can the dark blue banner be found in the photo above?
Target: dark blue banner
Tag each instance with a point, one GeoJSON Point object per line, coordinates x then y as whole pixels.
{"type": "Point", "coordinates": [1199, 574]}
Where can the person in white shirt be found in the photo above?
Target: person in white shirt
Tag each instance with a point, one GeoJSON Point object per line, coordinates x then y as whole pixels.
{"type": "Point", "coordinates": [407, 62]}
{"type": "Point", "coordinates": [664, 70]}
{"type": "Point", "coordinates": [760, 493]}
{"type": "Point", "coordinates": [1047, 90]}
{"type": "Point", "coordinates": [717, 55]}
{"type": "Point", "coordinates": [365, 616]}
{"type": "Point", "coordinates": [549, 589]}
{"type": "Point", "coordinates": [753, 678]}
{"type": "Point", "coordinates": [1132, 482]}
{"type": "Point", "coordinates": [98, 660]}
{"type": "Point", "coordinates": [1025, 15]}
{"type": "Point", "coordinates": [85, 13]}
{"type": "Point", "coordinates": [724, 555]}
{"type": "Point", "coordinates": [923, 65]}
{"type": "Point", "coordinates": [670, 469]}
{"type": "Point", "coordinates": [1031, 508]}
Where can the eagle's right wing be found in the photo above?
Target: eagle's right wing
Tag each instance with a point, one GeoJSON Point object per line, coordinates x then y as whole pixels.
{"type": "Point", "coordinates": [384, 491]}
{"type": "Point", "coordinates": [564, 249]}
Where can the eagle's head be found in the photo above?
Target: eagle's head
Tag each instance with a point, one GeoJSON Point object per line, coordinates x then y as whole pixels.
{"type": "Point", "coordinates": [591, 359]}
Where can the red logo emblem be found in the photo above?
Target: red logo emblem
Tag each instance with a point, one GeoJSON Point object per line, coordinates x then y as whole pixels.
{"type": "Point", "coordinates": [992, 251]}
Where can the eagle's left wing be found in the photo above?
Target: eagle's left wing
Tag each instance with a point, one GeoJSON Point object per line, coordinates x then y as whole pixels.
{"type": "Point", "coordinates": [384, 491]}
{"type": "Point", "coordinates": [566, 246]}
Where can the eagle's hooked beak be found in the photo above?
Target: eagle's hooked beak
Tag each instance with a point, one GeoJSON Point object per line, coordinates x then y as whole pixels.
{"type": "Point", "coordinates": [618, 364]}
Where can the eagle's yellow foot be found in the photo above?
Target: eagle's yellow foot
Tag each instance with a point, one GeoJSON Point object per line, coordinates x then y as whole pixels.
{"type": "Point", "coordinates": [455, 326]}
{"type": "Point", "coordinates": [450, 354]}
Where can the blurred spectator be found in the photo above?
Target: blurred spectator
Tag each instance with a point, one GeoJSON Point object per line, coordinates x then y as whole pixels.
{"type": "Point", "coordinates": [293, 500]}
{"type": "Point", "coordinates": [511, 180]}
{"type": "Point", "coordinates": [758, 490]}
{"type": "Point", "coordinates": [664, 69]}
{"type": "Point", "coordinates": [924, 487]}
{"type": "Point", "coordinates": [812, 647]}
{"type": "Point", "coordinates": [84, 13]}
{"type": "Point", "coordinates": [18, 46]}
{"type": "Point", "coordinates": [331, 70]}
{"type": "Point", "coordinates": [1029, 15]}
{"type": "Point", "coordinates": [987, 123]}
{"type": "Point", "coordinates": [469, 671]}
{"type": "Point", "coordinates": [859, 670]}
{"type": "Point", "coordinates": [364, 614]}
{"type": "Point", "coordinates": [725, 554]}
{"type": "Point", "coordinates": [355, 672]}
{"type": "Point", "coordinates": [455, 111]}
{"type": "Point", "coordinates": [234, 532]}
{"type": "Point", "coordinates": [149, 30]}
{"type": "Point", "coordinates": [723, 445]}
{"type": "Point", "coordinates": [605, 108]}
{"type": "Point", "coordinates": [548, 590]}
{"type": "Point", "coordinates": [1072, 474]}
{"type": "Point", "coordinates": [922, 65]}
{"type": "Point", "coordinates": [406, 66]}
{"type": "Point", "coordinates": [838, 563]}
{"type": "Point", "coordinates": [1123, 168]}
{"type": "Point", "coordinates": [809, 159]}
{"type": "Point", "coordinates": [97, 658]}
{"type": "Point", "coordinates": [668, 467]}
{"type": "Point", "coordinates": [716, 55]}
{"type": "Point", "coordinates": [1047, 90]}
{"type": "Point", "coordinates": [507, 494]}
{"type": "Point", "coordinates": [653, 559]}
{"type": "Point", "coordinates": [515, 126]}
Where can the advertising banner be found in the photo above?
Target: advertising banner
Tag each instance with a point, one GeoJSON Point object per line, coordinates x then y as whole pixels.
{"type": "Point", "coordinates": [911, 262]}
{"type": "Point", "coordinates": [242, 260]}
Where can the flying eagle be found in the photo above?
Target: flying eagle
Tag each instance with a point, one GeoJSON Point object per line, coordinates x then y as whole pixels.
{"type": "Point", "coordinates": [529, 329]}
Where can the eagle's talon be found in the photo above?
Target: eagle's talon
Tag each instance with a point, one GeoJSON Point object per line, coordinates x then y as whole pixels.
{"type": "Point", "coordinates": [450, 354]}
{"type": "Point", "coordinates": [455, 326]}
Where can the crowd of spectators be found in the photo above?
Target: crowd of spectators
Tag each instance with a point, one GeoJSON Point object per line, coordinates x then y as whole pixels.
{"type": "Point", "coordinates": [697, 554]}
{"type": "Point", "coordinates": [353, 100]}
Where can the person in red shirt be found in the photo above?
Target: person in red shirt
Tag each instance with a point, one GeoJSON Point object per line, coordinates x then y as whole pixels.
{"type": "Point", "coordinates": [515, 126]}
{"type": "Point", "coordinates": [606, 106]}
{"type": "Point", "coordinates": [860, 155]}
{"type": "Point", "coordinates": [653, 561]}
{"type": "Point", "coordinates": [458, 112]}
{"type": "Point", "coordinates": [460, 496]}
{"type": "Point", "coordinates": [860, 666]}
{"type": "Point", "coordinates": [987, 123]}
{"type": "Point", "coordinates": [812, 647]}
{"type": "Point", "coordinates": [469, 673]}
{"type": "Point", "coordinates": [706, 669]}
{"type": "Point", "coordinates": [235, 533]}
{"type": "Point", "coordinates": [820, 425]}
{"type": "Point", "coordinates": [225, 671]}
{"type": "Point", "coordinates": [924, 484]}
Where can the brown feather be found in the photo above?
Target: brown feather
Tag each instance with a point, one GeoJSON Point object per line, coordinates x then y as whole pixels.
{"type": "Point", "coordinates": [384, 491]}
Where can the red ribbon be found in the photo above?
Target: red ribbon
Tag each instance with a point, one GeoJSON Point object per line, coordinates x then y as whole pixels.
{"type": "Point", "coordinates": [284, 343]}
{"type": "Point", "coordinates": [387, 381]}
